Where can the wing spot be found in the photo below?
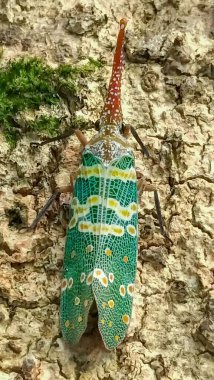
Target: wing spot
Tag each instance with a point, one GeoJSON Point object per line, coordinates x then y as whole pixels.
{"type": "Point", "coordinates": [74, 202]}
{"type": "Point", "coordinates": [112, 203]}
{"type": "Point", "coordinates": [103, 321]}
{"type": "Point", "coordinates": [104, 281]}
{"type": "Point", "coordinates": [70, 282]}
{"type": "Point", "coordinates": [131, 230]}
{"type": "Point", "coordinates": [89, 248]}
{"type": "Point", "coordinates": [97, 273]}
{"type": "Point", "coordinates": [117, 230]}
{"type": "Point", "coordinates": [64, 284]}
{"type": "Point", "coordinates": [126, 259]}
{"type": "Point", "coordinates": [73, 254]}
{"type": "Point", "coordinates": [79, 319]}
{"type": "Point", "coordinates": [130, 289]}
{"type": "Point", "coordinates": [125, 213]}
{"type": "Point", "coordinates": [110, 323]}
{"type": "Point", "coordinates": [122, 290]}
{"type": "Point", "coordinates": [72, 222]}
{"type": "Point", "coordinates": [125, 319]}
{"type": "Point", "coordinates": [67, 323]}
{"type": "Point", "coordinates": [134, 207]}
{"type": "Point", "coordinates": [104, 304]}
{"type": "Point", "coordinates": [86, 303]}
{"type": "Point", "coordinates": [111, 277]}
{"type": "Point", "coordinates": [116, 338]}
{"type": "Point", "coordinates": [108, 252]}
{"type": "Point", "coordinates": [89, 279]}
{"type": "Point", "coordinates": [83, 227]}
{"type": "Point", "coordinates": [77, 301]}
{"type": "Point", "coordinates": [111, 304]}
{"type": "Point", "coordinates": [82, 277]}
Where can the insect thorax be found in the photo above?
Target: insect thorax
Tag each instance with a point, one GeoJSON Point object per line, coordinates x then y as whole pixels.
{"type": "Point", "coordinates": [109, 145]}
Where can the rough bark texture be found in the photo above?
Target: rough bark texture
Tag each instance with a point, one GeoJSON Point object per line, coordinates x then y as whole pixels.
{"type": "Point", "coordinates": [168, 96]}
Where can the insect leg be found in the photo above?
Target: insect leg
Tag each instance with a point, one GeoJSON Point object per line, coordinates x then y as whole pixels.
{"type": "Point", "coordinates": [142, 186]}
{"type": "Point", "coordinates": [81, 137]}
{"type": "Point", "coordinates": [54, 196]}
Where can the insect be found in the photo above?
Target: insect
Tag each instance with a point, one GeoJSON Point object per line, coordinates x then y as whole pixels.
{"type": "Point", "coordinates": [102, 236]}
{"type": "Point", "coordinates": [101, 244]}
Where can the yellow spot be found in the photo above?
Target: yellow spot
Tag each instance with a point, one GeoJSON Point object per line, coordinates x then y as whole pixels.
{"type": "Point", "coordinates": [131, 230]}
{"type": "Point", "coordinates": [79, 319]}
{"type": "Point", "coordinates": [104, 304]}
{"type": "Point", "coordinates": [70, 282]}
{"type": "Point", "coordinates": [86, 303]}
{"type": "Point", "coordinates": [111, 304]}
{"type": "Point", "coordinates": [118, 231]}
{"type": "Point", "coordinates": [103, 321]}
{"type": "Point", "coordinates": [82, 210]}
{"type": "Point", "coordinates": [84, 227]}
{"type": "Point", "coordinates": [89, 248]}
{"type": "Point", "coordinates": [126, 259]}
{"type": "Point", "coordinates": [116, 338]}
{"type": "Point", "coordinates": [64, 284]}
{"type": "Point", "coordinates": [111, 277]}
{"type": "Point", "coordinates": [104, 281]}
{"type": "Point", "coordinates": [73, 253]}
{"type": "Point", "coordinates": [77, 301]}
{"type": "Point", "coordinates": [94, 200]}
{"type": "Point", "coordinates": [67, 323]}
{"type": "Point", "coordinates": [134, 207]}
{"type": "Point", "coordinates": [125, 319]}
{"type": "Point", "coordinates": [130, 289]}
{"type": "Point", "coordinates": [110, 324]}
{"type": "Point", "coordinates": [125, 213]}
{"type": "Point", "coordinates": [122, 290]}
{"type": "Point", "coordinates": [112, 203]}
{"type": "Point", "coordinates": [108, 252]}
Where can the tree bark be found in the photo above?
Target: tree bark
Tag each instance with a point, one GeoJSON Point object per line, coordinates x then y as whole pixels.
{"type": "Point", "coordinates": [167, 95]}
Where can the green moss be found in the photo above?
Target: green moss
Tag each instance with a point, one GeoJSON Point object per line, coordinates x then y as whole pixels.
{"type": "Point", "coordinates": [47, 124]}
{"type": "Point", "coordinates": [27, 84]}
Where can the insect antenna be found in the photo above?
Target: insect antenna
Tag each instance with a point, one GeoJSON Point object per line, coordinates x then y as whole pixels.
{"type": "Point", "coordinates": [138, 139]}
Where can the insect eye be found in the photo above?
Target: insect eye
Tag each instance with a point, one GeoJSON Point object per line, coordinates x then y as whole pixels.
{"type": "Point", "coordinates": [97, 125]}
{"type": "Point", "coordinates": [122, 128]}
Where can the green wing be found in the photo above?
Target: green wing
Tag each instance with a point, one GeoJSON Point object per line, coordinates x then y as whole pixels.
{"type": "Point", "coordinates": [101, 249]}
{"type": "Point", "coordinates": [80, 251]}
{"type": "Point", "coordinates": [115, 264]}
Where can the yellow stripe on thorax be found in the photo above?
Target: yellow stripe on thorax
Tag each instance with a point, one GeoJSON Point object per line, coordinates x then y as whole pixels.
{"type": "Point", "coordinates": [111, 172]}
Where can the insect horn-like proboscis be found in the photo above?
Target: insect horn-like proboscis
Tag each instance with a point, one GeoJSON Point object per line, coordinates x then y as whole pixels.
{"type": "Point", "coordinates": [112, 112]}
